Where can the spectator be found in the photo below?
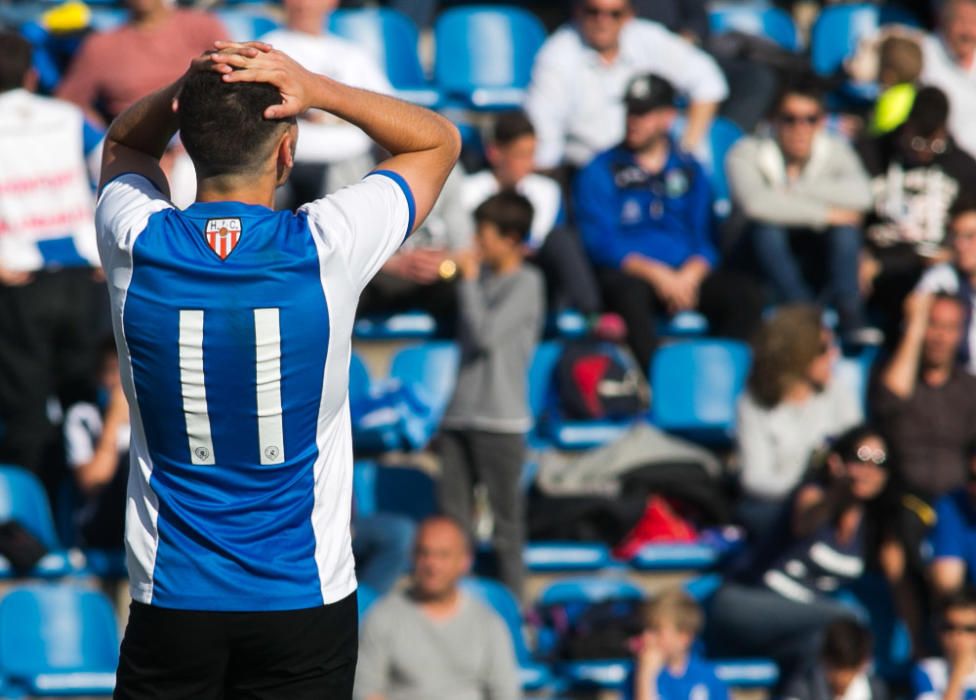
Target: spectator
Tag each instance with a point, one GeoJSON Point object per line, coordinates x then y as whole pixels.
{"type": "Point", "coordinates": [96, 436]}
{"type": "Point", "coordinates": [778, 601]}
{"type": "Point", "coordinates": [553, 247]}
{"type": "Point", "coordinates": [666, 666]}
{"type": "Point", "coordinates": [949, 58]}
{"type": "Point", "coordinates": [47, 252]}
{"type": "Point", "coordinates": [644, 210]}
{"type": "Point", "coordinates": [953, 538]}
{"type": "Point", "coordinates": [114, 68]}
{"type": "Point", "coordinates": [580, 74]}
{"type": "Point", "coordinates": [843, 670]}
{"type": "Point", "coordinates": [958, 276]}
{"type": "Point", "coordinates": [501, 314]}
{"type": "Point", "coordinates": [433, 640]}
{"type": "Point", "coordinates": [331, 153]}
{"type": "Point", "coordinates": [803, 183]}
{"type": "Point", "coordinates": [899, 68]}
{"type": "Point", "coordinates": [952, 676]}
{"type": "Point", "coordinates": [381, 545]}
{"type": "Point", "coordinates": [916, 172]}
{"type": "Point", "coordinates": [792, 406]}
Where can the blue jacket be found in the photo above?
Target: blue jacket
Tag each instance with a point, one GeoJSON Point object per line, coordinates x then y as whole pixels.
{"type": "Point", "coordinates": [621, 209]}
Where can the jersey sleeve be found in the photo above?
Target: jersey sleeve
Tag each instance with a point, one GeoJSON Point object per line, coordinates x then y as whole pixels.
{"type": "Point", "coordinates": [123, 209]}
{"type": "Point", "coordinates": [366, 222]}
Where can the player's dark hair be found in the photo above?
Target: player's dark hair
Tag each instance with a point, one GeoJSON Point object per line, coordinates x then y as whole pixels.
{"type": "Point", "coordinates": [222, 124]}
{"type": "Point", "coordinates": [15, 60]}
{"type": "Point", "coordinates": [511, 126]}
{"type": "Point", "coordinates": [805, 85]}
{"type": "Point", "coordinates": [847, 644]}
{"type": "Point", "coordinates": [963, 599]}
{"type": "Point", "coordinates": [930, 111]}
{"type": "Point", "coordinates": [509, 211]}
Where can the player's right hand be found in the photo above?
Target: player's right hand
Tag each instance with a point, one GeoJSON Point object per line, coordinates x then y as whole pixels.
{"type": "Point", "coordinates": [256, 62]}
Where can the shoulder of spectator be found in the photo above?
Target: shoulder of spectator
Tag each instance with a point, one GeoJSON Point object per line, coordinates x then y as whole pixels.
{"type": "Point", "coordinates": [560, 48]}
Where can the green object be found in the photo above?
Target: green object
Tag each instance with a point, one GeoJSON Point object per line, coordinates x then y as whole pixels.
{"type": "Point", "coordinates": [893, 107]}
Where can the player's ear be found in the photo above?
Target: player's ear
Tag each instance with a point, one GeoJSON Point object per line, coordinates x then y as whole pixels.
{"type": "Point", "coordinates": [285, 153]}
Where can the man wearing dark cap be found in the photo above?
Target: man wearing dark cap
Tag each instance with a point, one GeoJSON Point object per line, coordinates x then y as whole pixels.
{"type": "Point", "coordinates": [644, 210]}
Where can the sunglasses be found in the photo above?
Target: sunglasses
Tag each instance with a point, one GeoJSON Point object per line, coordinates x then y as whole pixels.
{"type": "Point", "coordinates": [591, 12]}
{"type": "Point", "coordinates": [865, 455]}
{"type": "Point", "coordinates": [793, 119]}
{"type": "Point", "coordinates": [949, 627]}
{"type": "Point", "coordinates": [920, 144]}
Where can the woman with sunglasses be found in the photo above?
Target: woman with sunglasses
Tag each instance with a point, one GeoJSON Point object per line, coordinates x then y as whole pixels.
{"type": "Point", "coordinates": [779, 597]}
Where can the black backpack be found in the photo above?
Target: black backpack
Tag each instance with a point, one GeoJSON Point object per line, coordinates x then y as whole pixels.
{"type": "Point", "coordinates": [602, 630]}
{"type": "Point", "coordinates": [594, 383]}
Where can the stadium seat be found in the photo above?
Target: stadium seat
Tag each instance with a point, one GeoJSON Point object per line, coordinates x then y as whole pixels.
{"type": "Point", "coordinates": [684, 324]}
{"type": "Point", "coordinates": [484, 54]}
{"type": "Point", "coordinates": [839, 28]}
{"type": "Point", "coordinates": [722, 135]}
{"type": "Point", "coordinates": [550, 557]}
{"type": "Point", "coordinates": [695, 385]}
{"type": "Point", "coordinates": [244, 24]}
{"type": "Point", "coordinates": [58, 640]}
{"type": "Point", "coordinates": [409, 325]}
{"type": "Point", "coordinates": [684, 556]}
{"type": "Point", "coordinates": [434, 366]}
{"type": "Point", "coordinates": [366, 596]}
{"type": "Point", "coordinates": [535, 676]}
{"type": "Point", "coordinates": [401, 490]}
{"type": "Point", "coordinates": [359, 379]}
{"type": "Point", "coordinates": [769, 22]}
{"type": "Point", "coordinates": [23, 499]}
{"type": "Point", "coordinates": [391, 38]}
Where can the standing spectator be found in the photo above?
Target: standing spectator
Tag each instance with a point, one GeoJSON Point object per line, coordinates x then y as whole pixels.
{"type": "Point", "coordinates": [332, 153]}
{"type": "Point", "coordinates": [802, 182]}
{"type": "Point", "coordinates": [500, 320]}
{"type": "Point", "coordinates": [952, 676]}
{"type": "Point", "coordinates": [792, 406]}
{"type": "Point", "coordinates": [96, 437]}
{"type": "Point", "coordinates": [948, 63]}
{"type": "Point", "coordinates": [644, 209]}
{"type": "Point", "coordinates": [47, 252]}
{"type": "Point", "coordinates": [434, 640]}
{"type": "Point", "coordinates": [582, 70]}
{"type": "Point", "coordinates": [552, 246]}
{"type": "Point", "coordinates": [916, 172]}
{"type": "Point", "coordinates": [843, 670]}
{"type": "Point", "coordinates": [666, 666]}
{"type": "Point", "coordinates": [953, 539]}
{"type": "Point", "coordinates": [958, 276]}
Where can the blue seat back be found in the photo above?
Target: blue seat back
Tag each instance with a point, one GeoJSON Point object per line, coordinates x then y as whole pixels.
{"type": "Point", "coordinates": [490, 46]}
{"type": "Point", "coordinates": [839, 28]}
{"type": "Point", "coordinates": [431, 368]}
{"type": "Point", "coordinates": [388, 36]}
{"type": "Point", "coordinates": [501, 600]}
{"type": "Point", "coordinates": [245, 25]}
{"type": "Point", "coordinates": [591, 589]}
{"type": "Point", "coordinates": [402, 490]}
{"type": "Point", "coordinates": [57, 628]}
{"type": "Point", "coordinates": [722, 135]}
{"type": "Point", "coordinates": [366, 596]}
{"type": "Point", "coordinates": [359, 381]}
{"type": "Point", "coordinates": [22, 498]}
{"type": "Point", "coordinates": [695, 385]}
{"type": "Point", "coordinates": [541, 375]}
{"type": "Point", "coordinates": [769, 22]}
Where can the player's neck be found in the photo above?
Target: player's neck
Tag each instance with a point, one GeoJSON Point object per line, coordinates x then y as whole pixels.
{"type": "Point", "coordinates": [229, 189]}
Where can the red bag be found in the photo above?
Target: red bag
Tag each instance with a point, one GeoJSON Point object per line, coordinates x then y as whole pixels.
{"type": "Point", "coordinates": [659, 523]}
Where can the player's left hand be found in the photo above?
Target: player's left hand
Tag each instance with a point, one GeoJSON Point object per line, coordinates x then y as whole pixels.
{"type": "Point", "coordinates": [294, 82]}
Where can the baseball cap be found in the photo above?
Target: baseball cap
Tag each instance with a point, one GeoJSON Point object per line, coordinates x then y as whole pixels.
{"type": "Point", "coordinates": [648, 92]}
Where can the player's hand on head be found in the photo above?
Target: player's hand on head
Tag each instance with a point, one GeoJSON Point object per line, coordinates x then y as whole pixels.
{"type": "Point", "coordinates": [275, 68]}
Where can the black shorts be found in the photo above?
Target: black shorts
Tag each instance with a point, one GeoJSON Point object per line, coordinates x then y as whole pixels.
{"type": "Point", "coordinates": [198, 655]}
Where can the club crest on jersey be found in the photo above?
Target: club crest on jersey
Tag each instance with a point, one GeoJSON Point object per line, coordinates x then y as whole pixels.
{"type": "Point", "coordinates": [223, 235]}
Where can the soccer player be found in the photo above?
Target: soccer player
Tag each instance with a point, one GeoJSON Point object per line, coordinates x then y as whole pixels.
{"type": "Point", "coordinates": [233, 324]}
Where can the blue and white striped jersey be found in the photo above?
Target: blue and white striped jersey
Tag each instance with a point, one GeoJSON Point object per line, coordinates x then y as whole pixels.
{"type": "Point", "coordinates": [233, 324]}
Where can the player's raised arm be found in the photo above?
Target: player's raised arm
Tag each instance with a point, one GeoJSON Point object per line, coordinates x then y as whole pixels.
{"type": "Point", "coordinates": [423, 144]}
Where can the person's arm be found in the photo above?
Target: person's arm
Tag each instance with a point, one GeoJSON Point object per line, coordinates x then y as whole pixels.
{"type": "Point", "coordinates": [948, 568]}
{"type": "Point", "coordinates": [94, 473]}
{"type": "Point", "coordinates": [700, 116]}
{"type": "Point", "coordinates": [814, 506]}
{"type": "Point", "coordinates": [423, 144]}
{"type": "Point", "coordinates": [595, 202]}
{"type": "Point", "coordinates": [846, 186]}
{"type": "Point", "coordinates": [901, 374]}
{"type": "Point", "coordinates": [488, 327]}
{"type": "Point", "coordinates": [548, 103]}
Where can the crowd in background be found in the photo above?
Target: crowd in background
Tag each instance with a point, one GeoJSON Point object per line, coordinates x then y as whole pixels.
{"type": "Point", "coordinates": [594, 197]}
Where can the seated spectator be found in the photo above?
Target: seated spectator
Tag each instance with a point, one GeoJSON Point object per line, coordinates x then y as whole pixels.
{"type": "Point", "coordinates": [666, 666]}
{"type": "Point", "coordinates": [791, 407]}
{"type": "Point", "coordinates": [958, 276]}
{"type": "Point", "coordinates": [434, 640]}
{"type": "Point", "coordinates": [953, 675]}
{"type": "Point", "coordinates": [580, 74]}
{"type": "Point", "coordinates": [843, 670]}
{"type": "Point", "coordinates": [331, 152]}
{"type": "Point", "coordinates": [644, 210]}
{"type": "Point", "coordinates": [381, 545]}
{"type": "Point", "coordinates": [96, 437]}
{"type": "Point", "coordinates": [778, 600]}
{"type": "Point", "coordinates": [953, 539]}
{"type": "Point", "coordinates": [948, 58]}
{"type": "Point", "coordinates": [899, 68]}
{"type": "Point", "coordinates": [501, 313]}
{"type": "Point", "coordinates": [803, 183]}
{"type": "Point", "coordinates": [916, 172]}
{"type": "Point", "coordinates": [552, 246]}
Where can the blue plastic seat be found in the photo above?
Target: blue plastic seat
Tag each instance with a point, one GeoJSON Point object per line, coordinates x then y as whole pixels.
{"type": "Point", "coordinates": [245, 24]}
{"type": "Point", "coordinates": [747, 674]}
{"type": "Point", "coordinates": [484, 54]}
{"type": "Point", "coordinates": [684, 324]}
{"type": "Point", "coordinates": [401, 490]}
{"type": "Point", "coordinates": [534, 675]}
{"type": "Point", "coordinates": [409, 325]}
{"type": "Point", "coordinates": [835, 34]}
{"type": "Point", "coordinates": [769, 22]}
{"type": "Point", "coordinates": [553, 556]}
{"type": "Point", "coordinates": [690, 556]}
{"type": "Point", "coordinates": [390, 37]}
{"type": "Point", "coordinates": [695, 385]}
{"type": "Point", "coordinates": [58, 640]}
{"type": "Point", "coordinates": [855, 371]}
{"type": "Point", "coordinates": [722, 136]}
{"type": "Point", "coordinates": [22, 498]}
{"type": "Point", "coordinates": [366, 597]}
{"type": "Point", "coordinates": [434, 366]}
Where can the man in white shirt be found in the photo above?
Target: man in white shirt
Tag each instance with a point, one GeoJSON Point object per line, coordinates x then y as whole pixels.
{"type": "Point", "coordinates": [950, 64]}
{"type": "Point", "coordinates": [331, 153]}
{"type": "Point", "coordinates": [575, 98]}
